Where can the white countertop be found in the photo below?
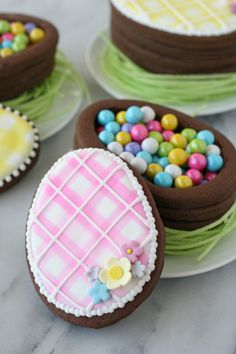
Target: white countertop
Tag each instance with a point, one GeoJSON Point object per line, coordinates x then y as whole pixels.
{"type": "Point", "coordinates": [194, 315]}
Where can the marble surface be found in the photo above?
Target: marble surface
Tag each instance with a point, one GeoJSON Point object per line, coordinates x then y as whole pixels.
{"type": "Point", "coordinates": [183, 316]}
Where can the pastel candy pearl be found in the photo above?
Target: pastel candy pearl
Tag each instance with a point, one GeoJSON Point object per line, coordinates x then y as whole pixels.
{"type": "Point", "coordinates": [207, 136]}
{"type": "Point", "coordinates": [197, 145]}
{"type": "Point", "coordinates": [115, 147]}
{"type": "Point", "coordinates": [178, 140]}
{"type": "Point", "coordinates": [121, 117]}
{"type": "Point", "coordinates": [148, 114]}
{"type": "Point", "coordinates": [150, 145]}
{"type": "Point", "coordinates": [169, 122]}
{"type": "Point", "coordinates": [21, 38]}
{"type": "Point", "coordinates": [123, 138]}
{"type": "Point", "coordinates": [163, 179]}
{"type": "Point", "coordinates": [154, 126]}
{"type": "Point", "coordinates": [29, 26]}
{"type": "Point", "coordinates": [210, 176]}
{"type": "Point", "coordinates": [127, 127]}
{"type": "Point", "coordinates": [18, 47]}
{"type": "Point", "coordinates": [7, 37]}
{"type": "Point", "coordinates": [183, 182]}
{"type": "Point", "coordinates": [4, 26]}
{"type": "Point", "coordinates": [113, 127]}
{"type": "Point", "coordinates": [139, 132]}
{"type": "Point", "coordinates": [6, 52]}
{"type": "Point", "coordinates": [155, 159]}
{"type": "Point", "coordinates": [127, 156]}
{"type": "Point", "coordinates": [134, 115]}
{"type": "Point", "coordinates": [36, 35]}
{"type": "Point", "coordinates": [139, 164]}
{"type": "Point", "coordinates": [213, 149]}
{"type": "Point", "coordinates": [163, 161]}
{"type": "Point", "coordinates": [105, 116]}
{"type": "Point", "coordinates": [7, 44]}
{"type": "Point", "coordinates": [164, 149]}
{"type": "Point", "coordinates": [167, 134]}
{"type": "Point", "coordinates": [178, 157]}
{"type": "Point", "coordinates": [197, 161]}
{"type": "Point", "coordinates": [189, 134]}
{"type": "Point", "coordinates": [195, 175]}
{"type": "Point", "coordinates": [106, 137]}
{"type": "Point", "coordinates": [153, 169]}
{"type": "Point", "coordinates": [214, 162]}
{"type": "Point", "coordinates": [157, 136]}
{"type": "Point", "coordinates": [173, 170]}
{"type": "Point", "coordinates": [146, 156]}
{"type": "Point", "coordinates": [17, 28]}
{"type": "Point", "coordinates": [133, 148]}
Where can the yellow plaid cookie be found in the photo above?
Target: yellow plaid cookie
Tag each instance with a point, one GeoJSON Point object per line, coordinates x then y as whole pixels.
{"type": "Point", "coordinates": [195, 17]}
{"type": "Point", "coordinates": [17, 144]}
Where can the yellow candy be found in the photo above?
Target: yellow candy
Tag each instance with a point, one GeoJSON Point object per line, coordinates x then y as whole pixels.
{"type": "Point", "coordinates": [123, 138]}
{"type": "Point", "coordinates": [153, 169]}
{"type": "Point", "coordinates": [17, 28]}
{"type": "Point", "coordinates": [183, 182]}
{"type": "Point", "coordinates": [178, 157]}
{"type": "Point", "coordinates": [178, 141]}
{"type": "Point", "coordinates": [169, 122]}
{"type": "Point", "coordinates": [36, 35]}
{"type": "Point", "coordinates": [6, 52]}
{"type": "Point", "coordinates": [120, 117]}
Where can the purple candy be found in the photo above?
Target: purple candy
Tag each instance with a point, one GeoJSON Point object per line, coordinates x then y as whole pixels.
{"type": "Point", "coordinates": [29, 26]}
{"type": "Point", "coordinates": [127, 127]}
{"type": "Point", "coordinates": [133, 147]}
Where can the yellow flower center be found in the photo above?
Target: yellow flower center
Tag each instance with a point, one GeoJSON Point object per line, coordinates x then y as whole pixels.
{"type": "Point", "coordinates": [129, 251]}
{"type": "Point", "coordinates": [115, 272]}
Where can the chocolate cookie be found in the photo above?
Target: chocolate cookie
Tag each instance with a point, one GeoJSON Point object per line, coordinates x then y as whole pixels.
{"type": "Point", "coordinates": [19, 147]}
{"type": "Point", "coordinates": [190, 205]}
{"type": "Point", "coordinates": [26, 69]}
{"type": "Point", "coordinates": [95, 240]}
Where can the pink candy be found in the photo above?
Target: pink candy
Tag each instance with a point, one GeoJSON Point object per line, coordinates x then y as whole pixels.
{"type": "Point", "coordinates": [195, 175]}
{"type": "Point", "coordinates": [139, 132]}
{"type": "Point", "coordinates": [167, 134]}
{"type": "Point", "coordinates": [154, 125]}
{"type": "Point", "coordinates": [210, 176]}
{"type": "Point", "coordinates": [197, 161]}
{"type": "Point", "coordinates": [7, 37]}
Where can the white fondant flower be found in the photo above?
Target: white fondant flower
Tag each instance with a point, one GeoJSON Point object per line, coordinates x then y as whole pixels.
{"type": "Point", "coordinates": [117, 273]}
{"type": "Point", "coordinates": [138, 269]}
{"type": "Point", "coordinates": [92, 273]}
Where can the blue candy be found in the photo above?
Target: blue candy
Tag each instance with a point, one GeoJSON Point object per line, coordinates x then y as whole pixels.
{"type": "Point", "coordinates": [145, 156]}
{"type": "Point", "coordinates": [105, 116]}
{"type": "Point", "coordinates": [7, 44]}
{"type": "Point", "coordinates": [214, 162]}
{"type": "Point", "coordinates": [207, 136]}
{"type": "Point", "coordinates": [113, 127]}
{"type": "Point", "coordinates": [106, 137]}
{"type": "Point", "coordinates": [163, 179]}
{"type": "Point", "coordinates": [127, 127]}
{"type": "Point", "coordinates": [163, 161]}
{"type": "Point", "coordinates": [155, 159]}
{"type": "Point", "coordinates": [134, 115]}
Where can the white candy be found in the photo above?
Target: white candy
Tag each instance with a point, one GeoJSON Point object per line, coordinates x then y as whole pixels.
{"type": "Point", "coordinates": [115, 147]}
{"type": "Point", "coordinates": [150, 145]}
{"type": "Point", "coordinates": [139, 164]}
{"type": "Point", "coordinates": [148, 114]}
{"type": "Point", "coordinates": [213, 149]}
{"type": "Point", "coordinates": [174, 170]}
{"type": "Point", "coordinates": [127, 156]}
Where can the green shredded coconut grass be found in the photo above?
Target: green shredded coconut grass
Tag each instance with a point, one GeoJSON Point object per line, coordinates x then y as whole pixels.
{"type": "Point", "coordinates": [38, 102]}
{"type": "Point", "coordinates": [162, 88]}
{"type": "Point", "coordinates": [201, 241]}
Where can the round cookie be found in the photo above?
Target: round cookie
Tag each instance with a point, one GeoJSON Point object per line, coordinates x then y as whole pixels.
{"type": "Point", "coordinates": [19, 147]}
{"type": "Point", "coordinates": [94, 240]}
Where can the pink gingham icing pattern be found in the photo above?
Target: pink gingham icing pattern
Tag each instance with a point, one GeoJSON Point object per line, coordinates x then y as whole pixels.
{"type": "Point", "coordinates": [87, 206]}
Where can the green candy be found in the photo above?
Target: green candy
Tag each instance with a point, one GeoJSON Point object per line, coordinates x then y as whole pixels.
{"type": "Point", "coordinates": [157, 136]}
{"type": "Point", "coordinates": [4, 26]}
{"type": "Point", "coordinates": [21, 38]}
{"type": "Point", "coordinates": [189, 134]}
{"type": "Point", "coordinates": [197, 145]}
{"type": "Point", "coordinates": [18, 47]}
{"type": "Point", "coordinates": [164, 149]}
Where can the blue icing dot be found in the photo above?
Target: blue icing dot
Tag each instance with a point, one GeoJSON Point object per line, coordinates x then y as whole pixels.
{"type": "Point", "coordinates": [134, 115]}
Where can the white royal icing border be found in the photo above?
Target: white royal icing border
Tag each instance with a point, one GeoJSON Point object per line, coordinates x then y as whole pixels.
{"type": "Point", "coordinates": [33, 153]}
{"type": "Point", "coordinates": [144, 20]}
{"type": "Point", "coordinates": [119, 303]}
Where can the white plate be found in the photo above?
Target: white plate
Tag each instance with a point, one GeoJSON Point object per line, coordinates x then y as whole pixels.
{"type": "Point", "coordinates": [68, 96]}
{"type": "Point", "coordinates": [222, 254]}
{"type": "Point", "coordinates": [93, 55]}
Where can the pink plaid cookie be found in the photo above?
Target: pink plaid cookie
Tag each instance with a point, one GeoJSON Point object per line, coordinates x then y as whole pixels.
{"type": "Point", "coordinates": [91, 235]}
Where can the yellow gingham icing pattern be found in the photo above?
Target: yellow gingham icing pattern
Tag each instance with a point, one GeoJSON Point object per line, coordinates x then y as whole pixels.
{"type": "Point", "coordinates": [16, 142]}
{"type": "Point", "coordinates": [193, 17]}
